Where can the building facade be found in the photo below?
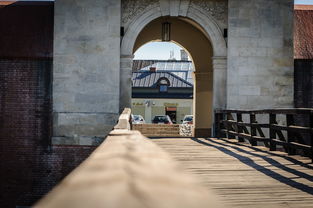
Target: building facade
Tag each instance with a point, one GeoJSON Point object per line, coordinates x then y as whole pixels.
{"type": "Point", "coordinates": [162, 88]}
{"type": "Point", "coordinates": [66, 73]}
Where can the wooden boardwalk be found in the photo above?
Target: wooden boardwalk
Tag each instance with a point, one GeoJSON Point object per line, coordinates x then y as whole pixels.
{"type": "Point", "coordinates": [245, 176]}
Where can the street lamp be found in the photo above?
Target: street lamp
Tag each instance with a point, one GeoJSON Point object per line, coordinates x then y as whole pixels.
{"type": "Point", "coordinates": [166, 31]}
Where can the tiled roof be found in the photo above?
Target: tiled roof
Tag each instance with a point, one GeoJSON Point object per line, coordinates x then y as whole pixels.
{"type": "Point", "coordinates": [303, 32]}
{"type": "Point", "coordinates": [303, 7]}
{"type": "Point", "coordinates": [150, 79]}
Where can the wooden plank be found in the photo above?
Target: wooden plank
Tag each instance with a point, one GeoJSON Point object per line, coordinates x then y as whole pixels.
{"type": "Point", "coordinates": [242, 176]}
{"type": "Point", "coordinates": [300, 146]}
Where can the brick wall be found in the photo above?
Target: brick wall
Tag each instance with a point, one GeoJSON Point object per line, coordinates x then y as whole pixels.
{"type": "Point", "coordinates": [30, 167]}
{"type": "Point", "coordinates": [24, 104]}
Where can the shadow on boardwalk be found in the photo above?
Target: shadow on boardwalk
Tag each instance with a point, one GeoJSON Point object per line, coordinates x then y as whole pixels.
{"type": "Point", "coordinates": [230, 150]}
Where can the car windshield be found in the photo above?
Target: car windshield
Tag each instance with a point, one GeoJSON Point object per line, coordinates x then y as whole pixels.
{"type": "Point", "coordinates": [161, 118]}
{"type": "Point", "coordinates": [136, 117]}
{"type": "Point", "coordinates": [188, 118]}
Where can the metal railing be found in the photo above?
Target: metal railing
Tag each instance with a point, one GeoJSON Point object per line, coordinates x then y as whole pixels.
{"type": "Point", "coordinates": [293, 130]}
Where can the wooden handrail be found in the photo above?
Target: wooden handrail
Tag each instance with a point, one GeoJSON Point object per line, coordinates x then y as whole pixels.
{"type": "Point", "coordinates": [124, 121]}
{"type": "Point", "coordinates": [128, 171]}
{"type": "Point", "coordinates": [290, 136]}
{"type": "Point", "coordinates": [273, 111]}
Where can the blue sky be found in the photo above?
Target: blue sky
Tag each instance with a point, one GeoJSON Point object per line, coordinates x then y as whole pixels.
{"type": "Point", "coordinates": [303, 1]}
{"type": "Point", "coordinates": [158, 50]}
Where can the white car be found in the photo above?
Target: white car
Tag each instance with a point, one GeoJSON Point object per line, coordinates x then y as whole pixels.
{"type": "Point", "coordinates": [188, 119]}
{"type": "Point", "coordinates": [138, 119]}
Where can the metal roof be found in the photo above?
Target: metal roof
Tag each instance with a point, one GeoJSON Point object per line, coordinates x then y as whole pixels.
{"type": "Point", "coordinates": [150, 79]}
{"type": "Point", "coordinates": [182, 69]}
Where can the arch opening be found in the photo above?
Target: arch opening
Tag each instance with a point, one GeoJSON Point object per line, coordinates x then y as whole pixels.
{"type": "Point", "coordinates": [200, 20]}
{"type": "Point", "coordinates": [163, 82]}
{"type": "Point", "coordinates": [200, 50]}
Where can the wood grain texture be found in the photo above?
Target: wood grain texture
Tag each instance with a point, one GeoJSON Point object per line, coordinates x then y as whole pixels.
{"type": "Point", "coordinates": [245, 176]}
{"type": "Point", "coordinates": [129, 170]}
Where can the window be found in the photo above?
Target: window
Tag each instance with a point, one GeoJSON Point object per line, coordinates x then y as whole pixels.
{"type": "Point", "coordinates": [163, 84]}
{"type": "Point", "coordinates": [163, 88]}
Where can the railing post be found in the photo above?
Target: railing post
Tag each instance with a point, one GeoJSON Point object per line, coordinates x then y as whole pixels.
{"type": "Point", "coordinates": [311, 134]}
{"type": "Point", "coordinates": [272, 121]}
{"type": "Point", "coordinates": [239, 128]}
{"type": "Point", "coordinates": [229, 126]}
{"type": "Point", "coordinates": [253, 129]}
{"type": "Point", "coordinates": [290, 134]}
{"type": "Point", "coordinates": [217, 125]}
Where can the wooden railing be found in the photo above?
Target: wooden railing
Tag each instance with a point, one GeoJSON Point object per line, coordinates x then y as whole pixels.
{"type": "Point", "coordinates": [291, 129]}
{"type": "Point", "coordinates": [128, 171]}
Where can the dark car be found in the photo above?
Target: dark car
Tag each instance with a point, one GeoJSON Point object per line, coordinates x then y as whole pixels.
{"type": "Point", "coordinates": [164, 119]}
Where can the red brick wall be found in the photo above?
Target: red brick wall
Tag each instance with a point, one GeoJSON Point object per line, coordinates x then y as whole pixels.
{"type": "Point", "coordinates": [303, 32]}
{"type": "Point", "coordinates": [30, 167]}
{"type": "Point", "coordinates": [24, 122]}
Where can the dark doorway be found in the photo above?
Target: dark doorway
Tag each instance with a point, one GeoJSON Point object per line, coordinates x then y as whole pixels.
{"type": "Point", "coordinates": [171, 112]}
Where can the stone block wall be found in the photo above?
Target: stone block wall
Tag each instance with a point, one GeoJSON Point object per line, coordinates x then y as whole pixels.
{"type": "Point", "coordinates": [86, 70]}
{"type": "Point", "coordinates": [260, 54]}
{"type": "Point", "coordinates": [30, 166]}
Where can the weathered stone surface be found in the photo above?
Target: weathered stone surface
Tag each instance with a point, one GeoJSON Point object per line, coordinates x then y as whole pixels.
{"type": "Point", "coordinates": [86, 68]}
{"type": "Point", "coordinates": [260, 54]}
{"type": "Point", "coordinates": [83, 124]}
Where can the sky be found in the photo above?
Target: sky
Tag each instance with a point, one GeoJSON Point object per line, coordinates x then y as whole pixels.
{"type": "Point", "coordinates": [158, 50]}
{"type": "Point", "coordinates": [303, 1]}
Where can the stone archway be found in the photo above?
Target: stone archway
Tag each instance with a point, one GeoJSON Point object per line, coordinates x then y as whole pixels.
{"type": "Point", "coordinates": [208, 20]}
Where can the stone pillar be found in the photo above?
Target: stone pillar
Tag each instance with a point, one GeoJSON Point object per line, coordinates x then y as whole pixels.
{"type": "Point", "coordinates": [219, 82]}
{"type": "Point", "coordinates": [86, 74]}
{"type": "Point", "coordinates": [203, 94]}
{"type": "Point", "coordinates": [260, 54]}
{"type": "Point", "coordinates": [148, 111]}
{"type": "Point", "coordinates": [125, 81]}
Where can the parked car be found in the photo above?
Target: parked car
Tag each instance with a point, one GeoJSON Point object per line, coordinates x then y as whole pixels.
{"type": "Point", "coordinates": [138, 119]}
{"type": "Point", "coordinates": [163, 119]}
{"type": "Point", "coordinates": [188, 119]}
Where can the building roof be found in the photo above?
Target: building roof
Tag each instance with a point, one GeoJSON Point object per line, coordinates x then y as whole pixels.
{"type": "Point", "coordinates": [162, 64]}
{"type": "Point", "coordinates": [182, 69]}
{"type": "Point", "coordinates": [162, 95]}
{"type": "Point", "coordinates": [303, 32]}
{"type": "Point", "coordinates": [150, 79]}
